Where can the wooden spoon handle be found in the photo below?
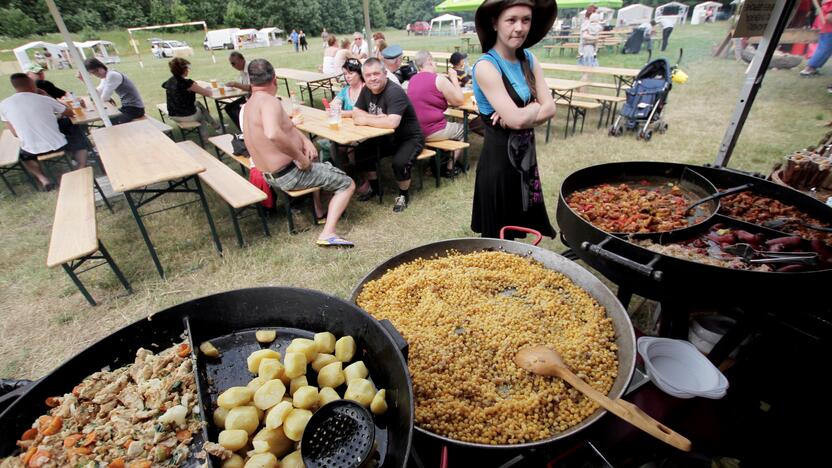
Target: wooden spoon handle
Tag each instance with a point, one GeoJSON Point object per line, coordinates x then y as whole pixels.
{"type": "Point", "coordinates": [629, 412]}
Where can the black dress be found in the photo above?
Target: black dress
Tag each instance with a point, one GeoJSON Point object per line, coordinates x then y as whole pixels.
{"type": "Point", "coordinates": [498, 192]}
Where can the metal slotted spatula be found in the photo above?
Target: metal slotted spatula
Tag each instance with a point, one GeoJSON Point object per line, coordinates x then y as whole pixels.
{"type": "Point", "coordinates": [341, 434]}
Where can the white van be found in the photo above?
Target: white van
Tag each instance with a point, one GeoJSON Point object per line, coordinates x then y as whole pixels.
{"type": "Point", "coordinates": [220, 39]}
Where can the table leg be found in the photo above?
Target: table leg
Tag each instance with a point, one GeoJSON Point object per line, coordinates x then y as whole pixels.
{"type": "Point", "coordinates": [114, 267]}
{"type": "Point", "coordinates": [288, 91]}
{"type": "Point", "coordinates": [138, 217]}
{"type": "Point", "coordinates": [309, 88]}
{"type": "Point", "coordinates": [465, 138]}
{"type": "Point", "coordinates": [219, 113]}
{"type": "Point", "coordinates": [208, 214]}
{"type": "Point", "coordinates": [78, 283]}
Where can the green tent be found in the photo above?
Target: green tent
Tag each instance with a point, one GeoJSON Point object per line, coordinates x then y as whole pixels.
{"type": "Point", "coordinates": [471, 5]}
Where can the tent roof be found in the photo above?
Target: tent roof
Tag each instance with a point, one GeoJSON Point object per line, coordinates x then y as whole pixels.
{"type": "Point", "coordinates": [82, 45]}
{"type": "Point", "coordinates": [30, 45]}
{"type": "Point", "coordinates": [671, 4]}
{"type": "Point", "coordinates": [244, 31]}
{"type": "Point", "coordinates": [707, 4]}
{"type": "Point", "coordinates": [636, 6]}
{"type": "Point", "coordinates": [94, 43]}
{"type": "Point", "coordinates": [458, 5]}
{"type": "Point", "coordinates": [446, 17]}
{"type": "Point", "coordinates": [271, 29]}
{"type": "Point", "coordinates": [578, 4]}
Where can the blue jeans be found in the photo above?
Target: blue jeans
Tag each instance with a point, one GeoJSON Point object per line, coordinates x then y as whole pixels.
{"type": "Point", "coordinates": [823, 52]}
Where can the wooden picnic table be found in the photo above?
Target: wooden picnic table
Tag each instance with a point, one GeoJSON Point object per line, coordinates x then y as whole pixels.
{"type": "Point", "coordinates": [313, 80]}
{"type": "Point", "coordinates": [221, 97]}
{"type": "Point", "coordinates": [90, 115]}
{"type": "Point", "coordinates": [136, 155]}
{"type": "Point", "coordinates": [316, 122]}
{"type": "Point", "coordinates": [436, 55]}
{"type": "Point", "coordinates": [620, 75]}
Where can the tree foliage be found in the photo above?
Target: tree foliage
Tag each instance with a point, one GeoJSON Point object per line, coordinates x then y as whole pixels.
{"type": "Point", "coordinates": [19, 18]}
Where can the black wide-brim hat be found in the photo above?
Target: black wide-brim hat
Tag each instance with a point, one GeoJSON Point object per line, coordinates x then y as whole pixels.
{"type": "Point", "coordinates": [544, 13]}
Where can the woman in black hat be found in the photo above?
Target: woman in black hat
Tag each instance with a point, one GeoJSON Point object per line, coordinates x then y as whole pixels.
{"type": "Point", "coordinates": [513, 99]}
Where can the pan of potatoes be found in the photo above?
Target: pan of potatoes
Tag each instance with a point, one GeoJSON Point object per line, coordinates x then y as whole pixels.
{"type": "Point", "coordinates": [268, 358]}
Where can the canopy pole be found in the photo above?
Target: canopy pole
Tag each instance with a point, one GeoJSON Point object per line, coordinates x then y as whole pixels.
{"type": "Point", "coordinates": [370, 42]}
{"type": "Point", "coordinates": [777, 23]}
{"type": "Point", "coordinates": [213, 57]}
{"type": "Point", "coordinates": [76, 57]}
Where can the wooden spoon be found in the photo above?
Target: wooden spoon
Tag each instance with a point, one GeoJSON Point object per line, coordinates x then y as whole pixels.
{"type": "Point", "coordinates": [546, 361]}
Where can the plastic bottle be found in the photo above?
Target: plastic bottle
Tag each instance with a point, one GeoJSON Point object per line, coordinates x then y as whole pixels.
{"type": "Point", "coordinates": [295, 105]}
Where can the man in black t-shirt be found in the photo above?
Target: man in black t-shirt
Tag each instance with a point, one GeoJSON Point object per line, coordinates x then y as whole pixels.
{"type": "Point", "coordinates": [384, 104]}
{"type": "Point", "coordinates": [35, 72]}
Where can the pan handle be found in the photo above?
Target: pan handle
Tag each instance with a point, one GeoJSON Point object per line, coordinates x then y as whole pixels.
{"type": "Point", "coordinates": [522, 229]}
{"type": "Point", "coordinates": [724, 193]}
{"type": "Point", "coordinates": [646, 270]}
{"type": "Point", "coordinates": [397, 337]}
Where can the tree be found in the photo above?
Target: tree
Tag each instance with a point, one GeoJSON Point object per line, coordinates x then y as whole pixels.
{"type": "Point", "coordinates": [378, 17]}
{"type": "Point", "coordinates": [127, 14]}
{"type": "Point", "coordinates": [236, 15]}
{"type": "Point", "coordinates": [15, 23]}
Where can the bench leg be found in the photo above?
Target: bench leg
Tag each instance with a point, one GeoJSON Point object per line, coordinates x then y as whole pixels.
{"type": "Point", "coordinates": [208, 215]}
{"type": "Point", "coordinates": [378, 173]}
{"type": "Point", "coordinates": [28, 175]}
{"type": "Point", "coordinates": [287, 203]}
{"type": "Point", "coordinates": [78, 283]}
{"type": "Point", "coordinates": [604, 108]}
{"type": "Point", "coordinates": [437, 167]}
{"type": "Point", "coordinates": [129, 197]}
{"type": "Point", "coordinates": [6, 181]}
{"type": "Point", "coordinates": [465, 138]}
{"type": "Point", "coordinates": [262, 212]}
{"type": "Point", "coordinates": [103, 197]}
{"type": "Point", "coordinates": [114, 267]}
{"type": "Point", "coordinates": [236, 223]}
{"type": "Point", "coordinates": [548, 127]}
{"type": "Point", "coordinates": [566, 122]}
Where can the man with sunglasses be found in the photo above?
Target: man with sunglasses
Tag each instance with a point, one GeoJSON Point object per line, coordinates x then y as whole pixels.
{"type": "Point", "coordinates": [359, 46]}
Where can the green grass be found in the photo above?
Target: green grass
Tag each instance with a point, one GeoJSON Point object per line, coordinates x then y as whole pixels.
{"type": "Point", "coordinates": [44, 320]}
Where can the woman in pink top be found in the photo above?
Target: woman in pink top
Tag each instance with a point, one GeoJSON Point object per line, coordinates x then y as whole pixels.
{"type": "Point", "coordinates": [430, 94]}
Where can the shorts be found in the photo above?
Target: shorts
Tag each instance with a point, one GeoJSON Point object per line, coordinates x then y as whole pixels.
{"type": "Point", "coordinates": [75, 140]}
{"type": "Point", "coordinates": [323, 175]}
{"type": "Point", "coordinates": [452, 131]}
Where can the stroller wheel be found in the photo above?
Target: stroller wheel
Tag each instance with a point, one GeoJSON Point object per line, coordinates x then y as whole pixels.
{"type": "Point", "coordinates": [616, 130]}
{"type": "Point", "coordinates": [662, 127]}
{"type": "Point", "coordinates": [646, 135]}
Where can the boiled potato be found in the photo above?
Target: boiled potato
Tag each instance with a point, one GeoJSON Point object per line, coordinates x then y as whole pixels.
{"type": "Point", "coordinates": [295, 364]}
{"type": "Point", "coordinates": [272, 441]}
{"type": "Point", "coordinates": [325, 342]}
{"type": "Point", "coordinates": [297, 383]}
{"type": "Point", "coordinates": [256, 383]}
{"type": "Point", "coordinates": [233, 439]}
{"type": "Point", "coordinates": [235, 461]}
{"type": "Point", "coordinates": [331, 375]}
{"type": "Point", "coordinates": [260, 412]}
{"type": "Point", "coordinates": [234, 396]}
{"type": "Point", "coordinates": [360, 391]}
{"type": "Point", "coordinates": [345, 348]}
{"type": "Point", "coordinates": [322, 360]}
{"type": "Point", "coordinates": [295, 423]}
{"type": "Point", "coordinates": [270, 369]}
{"type": "Point", "coordinates": [278, 413]}
{"type": "Point", "coordinates": [262, 460]}
{"type": "Point", "coordinates": [254, 358]}
{"type": "Point", "coordinates": [379, 403]}
{"type": "Point", "coordinates": [265, 336]}
{"type": "Point", "coordinates": [219, 417]}
{"type": "Point", "coordinates": [356, 370]}
{"type": "Point", "coordinates": [242, 417]}
{"type": "Point", "coordinates": [305, 346]}
{"type": "Point", "coordinates": [269, 394]}
{"type": "Point", "coordinates": [209, 349]}
{"type": "Point", "coordinates": [293, 460]}
{"type": "Point", "coordinates": [305, 397]}
{"type": "Point", "coordinates": [326, 395]}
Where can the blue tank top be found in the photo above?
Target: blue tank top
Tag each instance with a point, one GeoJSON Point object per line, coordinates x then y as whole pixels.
{"type": "Point", "coordinates": [514, 73]}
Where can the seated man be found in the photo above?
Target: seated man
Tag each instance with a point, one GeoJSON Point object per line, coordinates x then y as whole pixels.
{"type": "Point", "coordinates": [458, 69]}
{"type": "Point", "coordinates": [359, 48]}
{"type": "Point", "coordinates": [32, 118]}
{"type": "Point", "coordinates": [132, 106]}
{"type": "Point", "coordinates": [392, 57]}
{"type": "Point", "coordinates": [36, 73]}
{"type": "Point", "coordinates": [385, 105]}
{"type": "Point", "coordinates": [285, 157]}
{"type": "Point", "coordinates": [430, 94]}
{"type": "Point", "coordinates": [237, 61]}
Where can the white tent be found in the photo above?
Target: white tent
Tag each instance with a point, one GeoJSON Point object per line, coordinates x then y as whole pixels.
{"type": "Point", "coordinates": [633, 15]}
{"type": "Point", "coordinates": [607, 15]}
{"type": "Point", "coordinates": [700, 10]}
{"type": "Point", "coordinates": [674, 10]}
{"type": "Point", "coordinates": [271, 36]}
{"type": "Point", "coordinates": [22, 55]}
{"type": "Point", "coordinates": [454, 29]}
{"type": "Point", "coordinates": [248, 39]}
{"type": "Point", "coordinates": [102, 50]}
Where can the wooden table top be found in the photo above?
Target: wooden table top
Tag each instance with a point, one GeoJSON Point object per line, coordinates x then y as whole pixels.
{"type": "Point", "coordinates": [558, 84]}
{"type": "Point", "coordinates": [90, 114]}
{"type": "Point", "coordinates": [137, 154]}
{"type": "Point", "coordinates": [303, 75]}
{"type": "Point", "coordinates": [229, 92]}
{"type": "Point", "coordinates": [567, 67]}
{"type": "Point", "coordinates": [436, 55]}
{"type": "Point", "coordinates": [74, 232]}
{"type": "Point", "coordinates": [9, 148]}
{"type": "Point", "coordinates": [315, 121]}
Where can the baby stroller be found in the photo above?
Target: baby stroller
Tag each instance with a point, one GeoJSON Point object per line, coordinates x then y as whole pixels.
{"type": "Point", "coordinates": [645, 102]}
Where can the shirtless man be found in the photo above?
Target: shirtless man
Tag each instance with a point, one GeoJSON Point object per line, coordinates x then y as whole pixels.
{"type": "Point", "coordinates": [287, 159]}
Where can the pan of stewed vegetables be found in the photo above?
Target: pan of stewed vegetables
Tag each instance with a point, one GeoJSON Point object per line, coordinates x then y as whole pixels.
{"type": "Point", "coordinates": [228, 380]}
{"type": "Point", "coordinates": [467, 306]}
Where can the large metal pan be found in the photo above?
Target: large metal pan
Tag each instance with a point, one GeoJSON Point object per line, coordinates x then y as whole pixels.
{"type": "Point", "coordinates": [624, 335]}
{"type": "Point", "coordinates": [226, 319]}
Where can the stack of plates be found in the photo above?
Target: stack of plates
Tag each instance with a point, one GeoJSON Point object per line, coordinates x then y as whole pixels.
{"type": "Point", "coordinates": [679, 369]}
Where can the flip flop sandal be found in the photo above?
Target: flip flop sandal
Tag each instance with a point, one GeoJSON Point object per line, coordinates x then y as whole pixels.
{"type": "Point", "coordinates": [322, 220]}
{"type": "Point", "coordinates": [334, 241]}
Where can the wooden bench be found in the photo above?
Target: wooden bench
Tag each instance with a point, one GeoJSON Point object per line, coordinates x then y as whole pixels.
{"type": "Point", "coordinates": [10, 159]}
{"type": "Point", "coordinates": [222, 143]}
{"type": "Point", "coordinates": [61, 157]}
{"type": "Point", "coordinates": [574, 109]}
{"type": "Point", "coordinates": [609, 104]}
{"type": "Point", "coordinates": [74, 238]}
{"type": "Point", "coordinates": [623, 87]}
{"type": "Point", "coordinates": [238, 193]}
{"type": "Point", "coordinates": [561, 47]}
{"type": "Point", "coordinates": [163, 127]}
{"type": "Point", "coordinates": [184, 127]}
